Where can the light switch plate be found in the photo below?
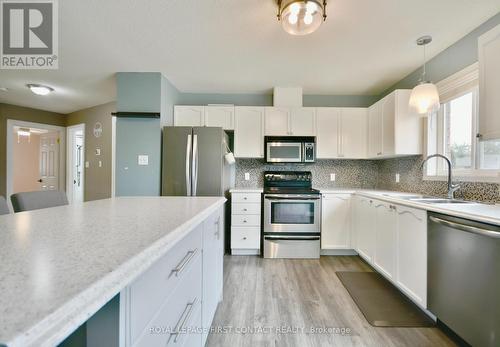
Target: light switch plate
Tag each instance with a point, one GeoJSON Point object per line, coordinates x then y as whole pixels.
{"type": "Point", "coordinates": [397, 178]}
{"type": "Point", "coordinates": [87, 164]}
{"type": "Point", "coordinates": [97, 151]}
{"type": "Point", "coordinates": [100, 163]}
{"type": "Point", "coordinates": [332, 177]}
{"type": "Point", "coordinates": [247, 176]}
{"type": "Point", "coordinates": [143, 159]}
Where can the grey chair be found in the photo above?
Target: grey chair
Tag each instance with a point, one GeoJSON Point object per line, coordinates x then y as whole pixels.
{"type": "Point", "coordinates": [37, 200]}
{"type": "Point", "coordinates": [4, 209]}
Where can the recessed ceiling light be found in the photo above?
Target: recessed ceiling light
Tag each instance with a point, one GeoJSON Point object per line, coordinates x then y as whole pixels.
{"type": "Point", "coordinates": [40, 89]}
{"type": "Point", "coordinates": [4, 89]}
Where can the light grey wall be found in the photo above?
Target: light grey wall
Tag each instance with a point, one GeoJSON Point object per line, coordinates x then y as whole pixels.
{"type": "Point", "coordinates": [171, 97]}
{"type": "Point", "coordinates": [267, 100]}
{"type": "Point", "coordinates": [141, 92]}
{"type": "Point", "coordinates": [453, 59]}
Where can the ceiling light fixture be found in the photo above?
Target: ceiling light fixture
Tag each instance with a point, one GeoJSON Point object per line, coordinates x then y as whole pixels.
{"type": "Point", "coordinates": [301, 17]}
{"type": "Point", "coordinates": [40, 89]}
{"type": "Point", "coordinates": [424, 97]}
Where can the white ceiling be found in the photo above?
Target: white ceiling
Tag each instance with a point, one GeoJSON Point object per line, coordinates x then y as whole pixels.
{"type": "Point", "coordinates": [237, 46]}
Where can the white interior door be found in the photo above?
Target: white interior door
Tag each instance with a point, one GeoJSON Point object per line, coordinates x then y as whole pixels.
{"type": "Point", "coordinates": [49, 161]}
{"type": "Point", "coordinates": [78, 155]}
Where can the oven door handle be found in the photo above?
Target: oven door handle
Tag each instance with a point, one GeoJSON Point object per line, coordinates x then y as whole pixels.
{"type": "Point", "coordinates": [292, 238]}
{"type": "Point", "coordinates": [292, 197]}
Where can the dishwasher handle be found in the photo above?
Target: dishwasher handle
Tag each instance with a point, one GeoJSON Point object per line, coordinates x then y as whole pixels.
{"type": "Point", "coordinates": [467, 228]}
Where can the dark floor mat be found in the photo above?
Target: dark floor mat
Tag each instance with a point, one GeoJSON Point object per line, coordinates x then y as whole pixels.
{"type": "Point", "coordinates": [381, 303]}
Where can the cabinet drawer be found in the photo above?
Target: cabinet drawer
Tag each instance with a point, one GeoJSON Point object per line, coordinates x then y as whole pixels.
{"type": "Point", "coordinates": [245, 197]}
{"type": "Point", "coordinates": [245, 238]}
{"type": "Point", "coordinates": [156, 284]}
{"type": "Point", "coordinates": [245, 220]}
{"type": "Point", "coordinates": [244, 209]}
{"type": "Point", "coordinates": [181, 312]}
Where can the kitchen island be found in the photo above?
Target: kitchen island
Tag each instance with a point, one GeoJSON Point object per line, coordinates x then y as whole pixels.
{"type": "Point", "coordinates": [59, 266]}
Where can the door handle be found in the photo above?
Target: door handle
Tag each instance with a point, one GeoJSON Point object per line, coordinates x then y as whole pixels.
{"type": "Point", "coordinates": [188, 171]}
{"type": "Point", "coordinates": [194, 165]}
{"type": "Point", "coordinates": [466, 228]}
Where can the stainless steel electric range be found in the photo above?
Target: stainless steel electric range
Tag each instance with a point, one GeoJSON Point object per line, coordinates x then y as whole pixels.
{"type": "Point", "coordinates": [291, 215]}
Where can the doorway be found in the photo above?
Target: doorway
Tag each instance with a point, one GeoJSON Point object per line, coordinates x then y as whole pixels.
{"type": "Point", "coordinates": [75, 171]}
{"type": "Point", "coordinates": [35, 157]}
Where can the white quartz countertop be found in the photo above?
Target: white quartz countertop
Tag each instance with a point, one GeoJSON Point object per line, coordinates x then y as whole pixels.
{"type": "Point", "coordinates": [59, 266]}
{"type": "Point", "coordinates": [479, 212]}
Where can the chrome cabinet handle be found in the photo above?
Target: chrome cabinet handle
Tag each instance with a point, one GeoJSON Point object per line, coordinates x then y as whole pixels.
{"type": "Point", "coordinates": [467, 228]}
{"type": "Point", "coordinates": [179, 327]}
{"type": "Point", "coordinates": [180, 267]}
{"type": "Point", "coordinates": [217, 233]}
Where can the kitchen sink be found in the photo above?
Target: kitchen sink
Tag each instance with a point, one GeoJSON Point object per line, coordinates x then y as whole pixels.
{"type": "Point", "coordinates": [440, 201]}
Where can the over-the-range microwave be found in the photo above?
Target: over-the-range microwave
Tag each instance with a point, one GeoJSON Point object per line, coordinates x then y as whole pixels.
{"type": "Point", "coordinates": [290, 149]}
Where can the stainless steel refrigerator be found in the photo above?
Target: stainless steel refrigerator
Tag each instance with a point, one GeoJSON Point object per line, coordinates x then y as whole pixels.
{"type": "Point", "coordinates": [193, 162]}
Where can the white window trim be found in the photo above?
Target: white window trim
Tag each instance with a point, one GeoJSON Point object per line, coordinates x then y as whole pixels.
{"type": "Point", "coordinates": [450, 88]}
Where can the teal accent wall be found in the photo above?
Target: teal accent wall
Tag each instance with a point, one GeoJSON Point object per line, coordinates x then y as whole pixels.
{"type": "Point", "coordinates": [267, 100]}
{"type": "Point", "coordinates": [453, 59]}
{"type": "Point", "coordinates": [135, 136]}
{"type": "Point", "coordinates": [141, 92]}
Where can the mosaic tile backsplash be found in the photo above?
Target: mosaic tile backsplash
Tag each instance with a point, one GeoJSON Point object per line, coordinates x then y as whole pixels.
{"type": "Point", "coordinates": [367, 174]}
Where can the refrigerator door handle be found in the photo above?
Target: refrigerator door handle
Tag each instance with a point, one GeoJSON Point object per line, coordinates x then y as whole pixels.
{"type": "Point", "coordinates": [194, 165]}
{"type": "Point", "coordinates": [188, 171]}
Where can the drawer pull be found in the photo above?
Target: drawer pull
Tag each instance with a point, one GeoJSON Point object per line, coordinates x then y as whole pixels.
{"type": "Point", "coordinates": [245, 238]}
{"type": "Point", "coordinates": [187, 258]}
{"type": "Point", "coordinates": [245, 198]}
{"type": "Point", "coordinates": [179, 327]}
{"type": "Point", "coordinates": [244, 221]}
{"type": "Point", "coordinates": [245, 209]}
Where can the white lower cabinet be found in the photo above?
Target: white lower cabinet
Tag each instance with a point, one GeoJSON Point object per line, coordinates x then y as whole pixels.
{"type": "Point", "coordinates": [336, 221]}
{"type": "Point", "coordinates": [393, 239]}
{"type": "Point", "coordinates": [364, 218]}
{"type": "Point", "coordinates": [173, 302]}
{"type": "Point", "coordinates": [245, 223]}
{"type": "Point", "coordinates": [412, 253]}
{"type": "Point", "coordinates": [385, 239]}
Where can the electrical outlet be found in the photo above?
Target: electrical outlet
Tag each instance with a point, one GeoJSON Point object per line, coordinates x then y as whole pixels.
{"type": "Point", "coordinates": [332, 177]}
{"type": "Point", "coordinates": [100, 163]}
{"type": "Point", "coordinates": [247, 176]}
{"type": "Point", "coordinates": [397, 178]}
{"type": "Point", "coordinates": [87, 164]}
{"type": "Point", "coordinates": [143, 159]}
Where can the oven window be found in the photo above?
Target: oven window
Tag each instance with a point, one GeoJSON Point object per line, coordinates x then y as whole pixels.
{"type": "Point", "coordinates": [284, 152]}
{"type": "Point", "coordinates": [292, 213]}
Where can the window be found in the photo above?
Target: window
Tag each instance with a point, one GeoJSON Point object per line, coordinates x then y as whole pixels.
{"type": "Point", "coordinates": [452, 132]}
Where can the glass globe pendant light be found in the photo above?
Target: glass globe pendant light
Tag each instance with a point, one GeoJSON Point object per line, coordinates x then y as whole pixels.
{"type": "Point", "coordinates": [424, 97]}
{"type": "Point", "coordinates": [301, 17]}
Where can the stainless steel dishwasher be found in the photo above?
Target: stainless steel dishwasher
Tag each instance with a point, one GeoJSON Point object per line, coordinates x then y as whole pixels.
{"type": "Point", "coordinates": [463, 272]}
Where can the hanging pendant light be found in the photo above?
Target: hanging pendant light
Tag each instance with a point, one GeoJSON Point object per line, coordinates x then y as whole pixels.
{"type": "Point", "coordinates": [301, 17]}
{"type": "Point", "coordinates": [424, 97]}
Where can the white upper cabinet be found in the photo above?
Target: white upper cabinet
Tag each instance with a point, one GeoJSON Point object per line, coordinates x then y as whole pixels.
{"type": "Point", "coordinates": [284, 121]}
{"type": "Point", "coordinates": [353, 133]}
{"type": "Point", "coordinates": [210, 116]}
{"type": "Point", "coordinates": [375, 130]}
{"type": "Point", "coordinates": [191, 116]}
{"type": "Point", "coordinates": [489, 84]}
{"type": "Point", "coordinates": [303, 121]}
{"type": "Point", "coordinates": [327, 138]}
{"type": "Point", "coordinates": [393, 130]}
{"type": "Point", "coordinates": [220, 116]}
{"type": "Point", "coordinates": [249, 132]}
{"type": "Point", "coordinates": [341, 132]}
{"type": "Point", "coordinates": [277, 121]}
{"type": "Point", "coordinates": [336, 221]}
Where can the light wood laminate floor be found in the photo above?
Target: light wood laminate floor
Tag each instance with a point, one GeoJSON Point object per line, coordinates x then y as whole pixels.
{"type": "Point", "coordinates": [267, 294]}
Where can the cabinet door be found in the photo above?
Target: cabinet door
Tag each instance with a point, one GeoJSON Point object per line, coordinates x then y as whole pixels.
{"type": "Point", "coordinates": [249, 132]}
{"type": "Point", "coordinates": [303, 121]}
{"type": "Point", "coordinates": [220, 116]}
{"type": "Point", "coordinates": [385, 241]}
{"type": "Point", "coordinates": [412, 253]}
{"type": "Point", "coordinates": [489, 84]}
{"type": "Point", "coordinates": [353, 135]}
{"type": "Point", "coordinates": [336, 221]}
{"type": "Point", "coordinates": [277, 121]}
{"type": "Point", "coordinates": [375, 130]}
{"type": "Point", "coordinates": [190, 116]}
{"type": "Point", "coordinates": [327, 126]}
{"type": "Point", "coordinates": [388, 124]}
{"type": "Point", "coordinates": [365, 228]}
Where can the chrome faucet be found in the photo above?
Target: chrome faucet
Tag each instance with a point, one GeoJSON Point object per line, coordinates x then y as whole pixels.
{"type": "Point", "coordinates": [452, 188]}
